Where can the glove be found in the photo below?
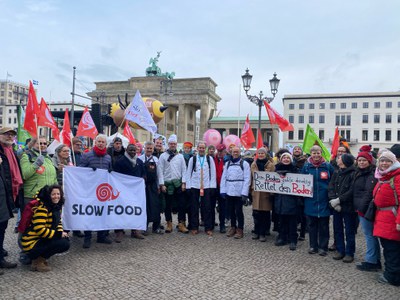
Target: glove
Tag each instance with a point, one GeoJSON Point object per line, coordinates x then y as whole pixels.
{"type": "Point", "coordinates": [38, 162]}
{"type": "Point", "coordinates": [334, 202]}
{"type": "Point", "coordinates": [223, 195]}
{"type": "Point", "coordinates": [245, 200]}
{"type": "Point", "coordinates": [94, 168]}
{"type": "Point", "coordinates": [338, 208]}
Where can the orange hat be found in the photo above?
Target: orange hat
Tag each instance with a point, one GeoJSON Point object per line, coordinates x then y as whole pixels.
{"type": "Point", "coordinates": [187, 144]}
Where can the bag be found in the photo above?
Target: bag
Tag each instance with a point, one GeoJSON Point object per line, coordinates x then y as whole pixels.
{"type": "Point", "coordinates": [26, 216]}
{"type": "Point", "coordinates": [371, 211]}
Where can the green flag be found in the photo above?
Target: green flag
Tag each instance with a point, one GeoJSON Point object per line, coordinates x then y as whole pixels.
{"type": "Point", "coordinates": [22, 134]}
{"type": "Point", "coordinates": [311, 139]}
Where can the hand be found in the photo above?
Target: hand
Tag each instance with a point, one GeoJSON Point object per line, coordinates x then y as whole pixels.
{"type": "Point", "coordinates": [334, 202]}
{"type": "Point", "coordinates": [183, 187]}
{"type": "Point", "coordinates": [1, 160]}
{"type": "Point", "coordinates": [245, 200]}
{"type": "Point", "coordinates": [398, 227]}
{"type": "Point", "coordinates": [65, 235]}
{"type": "Point", "coordinates": [163, 189]}
{"type": "Point", "coordinates": [338, 208]}
{"type": "Point", "coordinates": [94, 168]}
{"type": "Point", "coordinates": [38, 162]}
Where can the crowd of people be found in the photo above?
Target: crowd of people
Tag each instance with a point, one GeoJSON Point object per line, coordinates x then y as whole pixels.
{"type": "Point", "coordinates": [197, 183]}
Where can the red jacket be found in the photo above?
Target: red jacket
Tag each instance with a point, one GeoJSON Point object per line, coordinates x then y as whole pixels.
{"type": "Point", "coordinates": [219, 167]}
{"type": "Point", "coordinates": [384, 198]}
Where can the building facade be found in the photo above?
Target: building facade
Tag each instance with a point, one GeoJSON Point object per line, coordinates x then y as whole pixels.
{"type": "Point", "coordinates": [362, 118]}
{"type": "Point", "coordinates": [12, 94]}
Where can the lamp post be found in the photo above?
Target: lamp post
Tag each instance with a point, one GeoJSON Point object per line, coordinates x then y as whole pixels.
{"type": "Point", "coordinates": [259, 101]}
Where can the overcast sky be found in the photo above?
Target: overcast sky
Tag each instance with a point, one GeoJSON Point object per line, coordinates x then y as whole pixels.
{"type": "Point", "coordinates": [313, 46]}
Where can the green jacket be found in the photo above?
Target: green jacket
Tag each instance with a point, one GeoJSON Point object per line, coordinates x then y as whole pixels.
{"type": "Point", "coordinates": [35, 179]}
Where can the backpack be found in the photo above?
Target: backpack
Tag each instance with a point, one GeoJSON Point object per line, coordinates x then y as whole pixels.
{"type": "Point", "coordinates": [26, 216]}
{"type": "Point", "coordinates": [194, 164]}
{"type": "Point", "coordinates": [241, 164]}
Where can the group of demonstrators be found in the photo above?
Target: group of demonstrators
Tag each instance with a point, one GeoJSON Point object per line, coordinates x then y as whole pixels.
{"type": "Point", "coordinates": [354, 190]}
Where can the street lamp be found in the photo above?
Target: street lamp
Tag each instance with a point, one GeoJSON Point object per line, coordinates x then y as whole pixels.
{"type": "Point", "coordinates": [259, 101]}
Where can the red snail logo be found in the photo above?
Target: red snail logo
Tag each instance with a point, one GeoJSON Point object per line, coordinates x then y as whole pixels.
{"type": "Point", "coordinates": [105, 192]}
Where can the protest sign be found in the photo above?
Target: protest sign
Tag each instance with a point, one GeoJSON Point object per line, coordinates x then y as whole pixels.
{"type": "Point", "coordinates": [99, 200]}
{"type": "Point", "coordinates": [291, 184]}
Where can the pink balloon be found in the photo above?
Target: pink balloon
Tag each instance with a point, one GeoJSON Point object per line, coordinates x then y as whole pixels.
{"type": "Point", "coordinates": [231, 139]}
{"type": "Point", "coordinates": [212, 137]}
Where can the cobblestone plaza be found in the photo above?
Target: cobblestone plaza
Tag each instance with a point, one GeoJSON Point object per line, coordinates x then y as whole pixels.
{"type": "Point", "coordinates": [179, 266]}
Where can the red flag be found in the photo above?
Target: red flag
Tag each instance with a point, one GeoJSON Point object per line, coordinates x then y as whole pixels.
{"type": "Point", "coordinates": [260, 143]}
{"type": "Point", "coordinates": [128, 133]}
{"type": "Point", "coordinates": [66, 131]}
{"type": "Point", "coordinates": [86, 125]}
{"type": "Point", "coordinates": [335, 143]}
{"type": "Point", "coordinates": [45, 118]}
{"type": "Point", "coordinates": [247, 137]}
{"type": "Point", "coordinates": [276, 118]}
{"type": "Point", "coordinates": [32, 112]}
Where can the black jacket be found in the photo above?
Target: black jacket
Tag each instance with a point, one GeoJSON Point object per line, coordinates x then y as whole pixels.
{"type": "Point", "coordinates": [341, 186]}
{"type": "Point", "coordinates": [285, 204]}
{"type": "Point", "coordinates": [363, 186]}
{"type": "Point", "coordinates": [124, 166]}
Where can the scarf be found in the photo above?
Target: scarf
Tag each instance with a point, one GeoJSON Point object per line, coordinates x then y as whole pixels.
{"type": "Point", "coordinates": [379, 173]}
{"type": "Point", "coordinates": [187, 156]}
{"type": "Point", "coordinates": [171, 154]}
{"type": "Point", "coordinates": [261, 164]}
{"type": "Point", "coordinates": [235, 160]}
{"type": "Point", "coordinates": [99, 152]}
{"type": "Point", "coordinates": [132, 160]}
{"type": "Point", "coordinates": [16, 178]}
{"type": "Point", "coordinates": [316, 163]}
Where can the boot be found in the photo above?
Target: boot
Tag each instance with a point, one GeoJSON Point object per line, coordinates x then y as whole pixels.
{"type": "Point", "coordinates": [119, 236]}
{"type": "Point", "coordinates": [39, 265]}
{"type": "Point", "coordinates": [239, 234]}
{"type": "Point", "coordinates": [182, 228]}
{"type": "Point", "coordinates": [231, 232]}
{"type": "Point", "coordinates": [169, 227]}
{"type": "Point", "coordinates": [137, 235]}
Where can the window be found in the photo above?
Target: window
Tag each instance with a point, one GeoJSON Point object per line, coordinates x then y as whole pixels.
{"type": "Point", "coordinates": [398, 135]}
{"type": "Point", "coordinates": [301, 119]}
{"type": "Point", "coordinates": [398, 104]}
{"type": "Point", "coordinates": [354, 105]}
{"type": "Point", "coordinates": [15, 120]}
{"type": "Point", "coordinates": [376, 135]}
{"type": "Point", "coordinates": [388, 135]}
{"type": "Point", "coordinates": [389, 104]}
{"type": "Point", "coordinates": [364, 135]}
{"type": "Point", "coordinates": [365, 105]}
{"type": "Point", "coordinates": [2, 93]}
{"type": "Point", "coordinates": [348, 135]}
{"type": "Point", "coordinates": [365, 119]}
{"type": "Point", "coordinates": [291, 119]}
{"type": "Point", "coordinates": [348, 120]}
{"type": "Point", "coordinates": [9, 94]}
{"type": "Point", "coordinates": [332, 105]}
{"type": "Point", "coordinates": [398, 118]}
{"type": "Point", "coordinates": [291, 106]}
{"type": "Point", "coordinates": [1, 110]}
{"type": "Point", "coordinates": [321, 119]}
{"type": "Point", "coordinates": [311, 106]}
{"type": "Point", "coordinates": [377, 119]}
{"type": "Point", "coordinates": [377, 105]}
{"type": "Point", "coordinates": [321, 134]}
{"type": "Point", "coordinates": [343, 105]}
{"type": "Point", "coordinates": [301, 106]}
{"type": "Point", "coordinates": [301, 134]}
{"type": "Point", "coordinates": [337, 120]}
{"type": "Point", "coordinates": [290, 135]}
{"type": "Point", "coordinates": [322, 105]}
{"type": "Point", "coordinates": [9, 121]}
{"type": "Point", "coordinates": [9, 111]}
{"type": "Point", "coordinates": [311, 119]}
{"type": "Point", "coordinates": [388, 118]}
{"type": "Point", "coordinates": [342, 120]}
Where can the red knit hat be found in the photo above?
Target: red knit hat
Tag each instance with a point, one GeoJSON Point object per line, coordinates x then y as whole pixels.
{"type": "Point", "coordinates": [366, 148]}
{"type": "Point", "coordinates": [221, 147]}
{"type": "Point", "coordinates": [365, 155]}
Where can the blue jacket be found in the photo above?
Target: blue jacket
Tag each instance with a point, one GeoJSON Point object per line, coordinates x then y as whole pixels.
{"type": "Point", "coordinates": [318, 205]}
{"type": "Point", "coordinates": [91, 160]}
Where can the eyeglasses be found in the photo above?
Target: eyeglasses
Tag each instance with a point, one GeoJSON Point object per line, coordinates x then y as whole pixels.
{"type": "Point", "coordinates": [9, 134]}
{"type": "Point", "coordinates": [43, 144]}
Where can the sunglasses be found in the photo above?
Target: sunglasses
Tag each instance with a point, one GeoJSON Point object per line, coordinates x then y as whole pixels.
{"type": "Point", "coordinates": [43, 144]}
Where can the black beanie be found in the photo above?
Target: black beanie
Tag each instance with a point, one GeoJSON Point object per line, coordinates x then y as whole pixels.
{"type": "Point", "coordinates": [396, 150]}
{"type": "Point", "coordinates": [347, 159]}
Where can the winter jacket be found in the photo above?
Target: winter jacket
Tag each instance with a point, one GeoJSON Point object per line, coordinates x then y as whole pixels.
{"type": "Point", "coordinates": [318, 205]}
{"type": "Point", "coordinates": [341, 186]}
{"type": "Point", "coordinates": [193, 174]}
{"type": "Point", "coordinates": [7, 180]}
{"type": "Point", "coordinates": [174, 169]}
{"type": "Point", "coordinates": [262, 200]}
{"type": "Point", "coordinates": [35, 179]}
{"type": "Point", "coordinates": [115, 155]}
{"type": "Point", "coordinates": [44, 225]}
{"type": "Point", "coordinates": [387, 214]}
{"type": "Point", "coordinates": [299, 161]}
{"type": "Point", "coordinates": [124, 166]}
{"type": "Point", "coordinates": [285, 204]}
{"type": "Point", "coordinates": [91, 160]}
{"type": "Point", "coordinates": [5, 199]}
{"type": "Point", "coordinates": [235, 181]}
{"type": "Point", "coordinates": [219, 167]}
{"type": "Point", "coordinates": [363, 184]}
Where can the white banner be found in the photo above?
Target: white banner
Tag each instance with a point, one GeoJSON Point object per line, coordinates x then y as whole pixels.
{"type": "Point", "coordinates": [291, 184]}
{"type": "Point", "coordinates": [99, 200]}
{"type": "Point", "coordinates": [138, 113]}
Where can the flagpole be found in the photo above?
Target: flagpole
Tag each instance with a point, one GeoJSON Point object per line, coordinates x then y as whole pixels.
{"type": "Point", "coordinates": [238, 128]}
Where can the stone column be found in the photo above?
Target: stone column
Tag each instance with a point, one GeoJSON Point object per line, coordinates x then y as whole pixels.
{"type": "Point", "coordinates": [182, 123]}
{"type": "Point", "coordinates": [275, 139]}
{"type": "Point", "coordinates": [204, 116]}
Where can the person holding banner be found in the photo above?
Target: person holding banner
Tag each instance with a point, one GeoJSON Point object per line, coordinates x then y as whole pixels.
{"type": "Point", "coordinates": [61, 159]}
{"type": "Point", "coordinates": [200, 180]}
{"type": "Point", "coordinates": [45, 236]}
{"type": "Point", "coordinates": [171, 179]}
{"type": "Point", "coordinates": [97, 158]}
{"type": "Point", "coordinates": [116, 150]}
{"type": "Point", "coordinates": [235, 183]}
{"type": "Point", "coordinates": [317, 208]}
{"type": "Point", "coordinates": [262, 202]}
{"type": "Point", "coordinates": [129, 164]}
{"type": "Point", "coordinates": [77, 151]}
